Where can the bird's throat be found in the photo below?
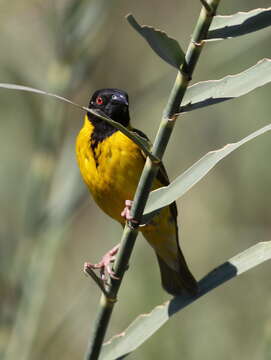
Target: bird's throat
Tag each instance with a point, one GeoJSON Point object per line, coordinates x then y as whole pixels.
{"type": "Point", "coordinates": [101, 131]}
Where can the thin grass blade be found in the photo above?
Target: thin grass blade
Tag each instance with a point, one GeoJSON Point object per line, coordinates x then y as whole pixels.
{"type": "Point", "coordinates": [164, 46]}
{"type": "Point", "coordinates": [212, 92]}
{"type": "Point", "coordinates": [139, 140]}
{"type": "Point", "coordinates": [241, 23]}
{"type": "Point", "coordinates": [145, 325]}
{"type": "Point", "coordinates": [168, 194]}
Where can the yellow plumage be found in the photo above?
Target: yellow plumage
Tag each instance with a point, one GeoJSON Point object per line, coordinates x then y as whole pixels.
{"type": "Point", "coordinates": [111, 171]}
{"type": "Point", "coordinates": [114, 180]}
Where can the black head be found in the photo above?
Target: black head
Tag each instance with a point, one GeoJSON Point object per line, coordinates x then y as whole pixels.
{"type": "Point", "coordinates": [113, 102]}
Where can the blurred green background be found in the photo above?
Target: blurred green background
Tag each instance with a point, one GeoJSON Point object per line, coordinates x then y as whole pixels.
{"type": "Point", "coordinates": [49, 225]}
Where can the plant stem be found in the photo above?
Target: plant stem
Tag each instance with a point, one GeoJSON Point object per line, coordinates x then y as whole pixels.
{"type": "Point", "coordinates": [107, 302]}
{"type": "Point", "coordinates": [149, 173]}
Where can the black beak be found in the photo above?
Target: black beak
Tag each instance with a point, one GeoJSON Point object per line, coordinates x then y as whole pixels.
{"type": "Point", "coordinates": [119, 99]}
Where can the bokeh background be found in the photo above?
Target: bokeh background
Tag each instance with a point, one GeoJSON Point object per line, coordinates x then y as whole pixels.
{"type": "Point", "coordinates": [49, 225]}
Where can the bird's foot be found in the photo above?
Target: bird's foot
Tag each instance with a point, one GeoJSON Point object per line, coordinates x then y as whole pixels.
{"type": "Point", "coordinates": [105, 265]}
{"type": "Point", "coordinates": [126, 212]}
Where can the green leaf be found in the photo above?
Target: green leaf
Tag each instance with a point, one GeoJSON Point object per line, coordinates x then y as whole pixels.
{"type": "Point", "coordinates": [168, 194]}
{"type": "Point", "coordinates": [143, 327]}
{"type": "Point", "coordinates": [211, 92]}
{"type": "Point", "coordinates": [241, 23]}
{"type": "Point", "coordinates": [139, 140]}
{"type": "Point", "coordinates": [164, 46]}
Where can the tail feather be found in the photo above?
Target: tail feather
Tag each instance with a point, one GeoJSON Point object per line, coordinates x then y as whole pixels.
{"type": "Point", "coordinates": [177, 282]}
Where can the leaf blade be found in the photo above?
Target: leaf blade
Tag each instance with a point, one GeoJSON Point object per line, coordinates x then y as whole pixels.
{"type": "Point", "coordinates": [139, 140]}
{"type": "Point", "coordinates": [241, 23]}
{"type": "Point", "coordinates": [164, 46]}
{"type": "Point", "coordinates": [166, 195]}
{"type": "Point", "coordinates": [212, 92]}
{"type": "Point", "coordinates": [145, 325]}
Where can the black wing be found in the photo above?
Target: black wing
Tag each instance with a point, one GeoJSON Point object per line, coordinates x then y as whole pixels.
{"type": "Point", "coordinates": [162, 175]}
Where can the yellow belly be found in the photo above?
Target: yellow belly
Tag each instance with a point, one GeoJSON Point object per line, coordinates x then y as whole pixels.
{"type": "Point", "coordinates": [113, 177]}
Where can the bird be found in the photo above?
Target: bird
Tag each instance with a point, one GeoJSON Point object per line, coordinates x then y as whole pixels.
{"type": "Point", "coordinates": [111, 164]}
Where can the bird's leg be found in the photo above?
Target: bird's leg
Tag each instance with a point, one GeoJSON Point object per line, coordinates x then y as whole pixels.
{"type": "Point", "coordinates": [126, 212]}
{"type": "Point", "coordinates": [104, 264]}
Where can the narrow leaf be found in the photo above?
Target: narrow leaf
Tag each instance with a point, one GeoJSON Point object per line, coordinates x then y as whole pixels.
{"type": "Point", "coordinates": [168, 194]}
{"type": "Point", "coordinates": [241, 23]}
{"type": "Point", "coordinates": [164, 46]}
{"type": "Point", "coordinates": [139, 140]}
{"type": "Point", "coordinates": [211, 92]}
{"type": "Point", "coordinates": [143, 327]}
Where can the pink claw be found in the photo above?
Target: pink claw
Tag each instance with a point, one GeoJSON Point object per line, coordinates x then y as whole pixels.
{"type": "Point", "coordinates": [126, 213]}
{"type": "Point", "coordinates": [104, 264]}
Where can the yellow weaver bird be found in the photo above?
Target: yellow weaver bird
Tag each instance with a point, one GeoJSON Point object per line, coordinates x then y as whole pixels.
{"type": "Point", "coordinates": [111, 165]}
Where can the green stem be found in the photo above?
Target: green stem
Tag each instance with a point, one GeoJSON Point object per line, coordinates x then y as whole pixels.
{"type": "Point", "coordinates": [107, 302]}
{"type": "Point", "coordinates": [103, 318]}
{"type": "Point", "coordinates": [149, 173]}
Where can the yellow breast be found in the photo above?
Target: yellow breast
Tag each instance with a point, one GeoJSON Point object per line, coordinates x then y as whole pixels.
{"type": "Point", "coordinates": [112, 171]}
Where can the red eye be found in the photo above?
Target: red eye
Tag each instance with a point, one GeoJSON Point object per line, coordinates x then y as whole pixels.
{"type": "Point", "coordinates": [99, 100]}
